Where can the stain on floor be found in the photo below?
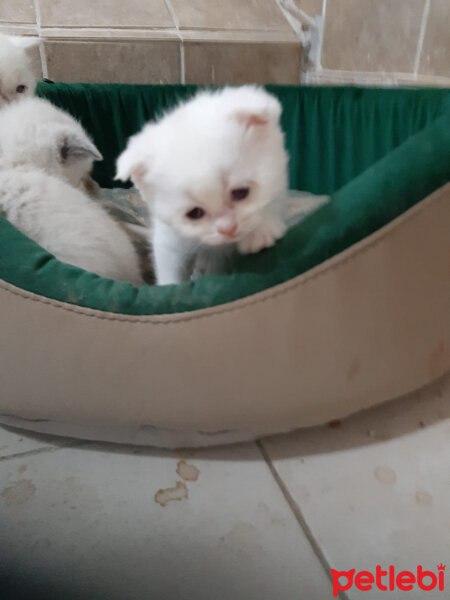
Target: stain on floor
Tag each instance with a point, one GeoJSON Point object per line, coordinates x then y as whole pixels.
{"type": "Point", "coordinates": [177, 493]}
{"type": "Point", "coordinates": [385, 475]}
{"type": "Point", "coordinates": [186, 471]}
{"type": "Point", "coordinates": [424, 498]}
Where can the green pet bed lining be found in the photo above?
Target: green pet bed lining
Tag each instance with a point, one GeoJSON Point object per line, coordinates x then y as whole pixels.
{"type": "Point", "coordinates": [332, 135]}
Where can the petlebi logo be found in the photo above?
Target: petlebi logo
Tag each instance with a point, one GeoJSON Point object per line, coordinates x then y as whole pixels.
{"type": "Point", "coordinates": [389, 579]}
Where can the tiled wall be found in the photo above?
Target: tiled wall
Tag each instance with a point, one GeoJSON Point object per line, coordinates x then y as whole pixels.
{"type": "Point", "coordinates": [236, 41]}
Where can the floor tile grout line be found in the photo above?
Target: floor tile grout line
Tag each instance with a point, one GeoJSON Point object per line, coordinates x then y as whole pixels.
{"type": "Point", "coordinates": [27, 453]}
{"type": "Point", "coordinates": [299, 516]}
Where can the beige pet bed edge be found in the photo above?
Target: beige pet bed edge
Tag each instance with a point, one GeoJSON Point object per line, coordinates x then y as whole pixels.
{"type": "Point", "coordinates": [368, 325]}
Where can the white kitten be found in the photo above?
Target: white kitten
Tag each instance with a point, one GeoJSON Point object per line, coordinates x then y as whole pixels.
{"type": "Point", "coordinates": [17, 79]}
{"type": "Point", "coordinates": [34, 132]}
{"type": "Point", "coordinates": [67, 223]}
{"type": "Point", "coordinates": [214, 174]}
{"type": "Point", "coordinates": [45, 155]}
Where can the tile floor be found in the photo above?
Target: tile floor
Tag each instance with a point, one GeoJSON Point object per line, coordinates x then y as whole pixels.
{"type": "Point", "coordinates": [260, 521]}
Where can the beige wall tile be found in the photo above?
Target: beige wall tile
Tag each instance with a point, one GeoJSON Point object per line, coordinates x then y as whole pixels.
{"type": "Point", "coordinates": [372, 35]}
{"type": "Point", "coordinates": [435, 58]}
{"type": "Point", "coordinates": [230, 14]}
{"type": "Point", "coordinates": [230, 35]}
{"type": "Point", "coordinates": [36, 63]}
{"type": "Point", "coordinates": [105, 13]}
{"type": "Point", "coordinates": [18, 29]}
{"type": "Point", "coordinates": [106, 34]}
{"type": "Point", "coordinates": [327, 77]}
{"type": "Point", "coordinates": [223, 63]}
{"type": "Point", "coordinates": [115, 62]}
{"type": "Point", "coordinates": [17, 11]}
{"type": "Point", "coordinates": [310, 7]}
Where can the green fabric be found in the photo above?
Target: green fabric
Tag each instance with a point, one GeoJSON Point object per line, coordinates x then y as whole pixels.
{"type": "Point", "coordinates": [348, 131]}
{"type": "Point", "coordinates": [332, 133]}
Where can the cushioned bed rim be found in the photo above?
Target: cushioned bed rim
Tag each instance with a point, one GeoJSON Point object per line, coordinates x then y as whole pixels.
{"type": "Point", "coordinates": [370, 201]}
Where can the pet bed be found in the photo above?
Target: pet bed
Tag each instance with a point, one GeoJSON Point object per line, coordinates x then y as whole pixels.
{"type": "Point", "coordinates": [350, 309]}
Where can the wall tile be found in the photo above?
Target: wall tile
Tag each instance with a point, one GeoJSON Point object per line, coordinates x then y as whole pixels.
{"type": "Point", "coordinates": [232, 14]}
{"type": "Point", "coordinates": [329, 77]}
{"type": "Point", "coordinates": [372, 35]}
{"type": "Point", "coordinates": [108, 13]}
{"type": "Point", "coordinates": [17, 11]}
{"type": "Point", "coordinates": [118, 62]}
{"type": "Point", "coordinates": [310, 7]}
{"type": "Point", "coordinates": [238, 41]}
{"type": "Point", "coordinates": [105, 34]}
{"type": "Point", "coordinates": [247, 37]}
{"type": "Point", "coordinates": [224, 63]}
{"type": "Point", "coordinates": [435, 58]}
{"type": "Point", "coordinates": [15, 29]}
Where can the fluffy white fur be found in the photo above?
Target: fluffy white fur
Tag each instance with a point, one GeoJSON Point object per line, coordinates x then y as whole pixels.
{"type": "Point", "coordinates": [67, 223]}
{"type": "Point", "coordinates": [45, 161]}
{"type": "Point", "coordinates": [34, 132]}
{"type": "Point", "coordinates": [17, 79]}
{"type": "Point", "coordinates": [223, 153]}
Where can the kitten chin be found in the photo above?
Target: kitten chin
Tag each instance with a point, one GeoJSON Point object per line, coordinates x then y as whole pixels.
{"type": "Point", "coordinates": [214, 174]}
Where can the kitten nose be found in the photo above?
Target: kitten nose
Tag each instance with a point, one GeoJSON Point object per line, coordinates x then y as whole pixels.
{"type": "Point", "coordinates": [228, 229]}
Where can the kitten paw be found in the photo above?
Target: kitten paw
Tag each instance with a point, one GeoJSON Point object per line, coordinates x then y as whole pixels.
{"type": "Point", "coordinates": [262, 237]}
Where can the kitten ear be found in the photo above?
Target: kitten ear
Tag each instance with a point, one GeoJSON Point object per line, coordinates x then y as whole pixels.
{"type": "Point", "coordinates": [249, 119]}
{"type": "Point", "coordinates": [73, 147]}
{"type": "Point", "coordinates": [27, 43]}
{"type": "Point", "coordinates": [258, 108]}
{"type": "Point", "coordinates": [131, 164]}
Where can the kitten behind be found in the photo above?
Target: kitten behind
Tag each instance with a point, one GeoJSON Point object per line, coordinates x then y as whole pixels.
{"type": "Point", "coordinates": [17, 79]}
{"type": "Point", "coordinates": [67, 223]}
{"type": "Point", "coordinates": [34, 132]}
{"type": "Point", "coordinates": [45, 163]}
{"type": "Point", "coordinates": [213, 172]}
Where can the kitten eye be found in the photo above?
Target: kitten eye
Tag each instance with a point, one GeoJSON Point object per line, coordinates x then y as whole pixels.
{"type": "Point", "coordinates": [240, 193]}
{"type": "Point", "coordinates": [195, 213]}
{"type": "Point", "coordinates": [20, 89]}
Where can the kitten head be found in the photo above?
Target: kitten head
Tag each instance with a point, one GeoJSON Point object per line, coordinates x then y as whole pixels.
{"type": "Point", "coordinates": [34, 132]}
{"type": "Point", "coordinates": [16, 74]}
{"type": "Point", "coordinates": [210, 166]}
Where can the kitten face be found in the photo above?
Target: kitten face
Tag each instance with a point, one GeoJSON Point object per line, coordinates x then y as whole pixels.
{"type": "Point", "coordinates": [220, 211]}
{"type": "Point", "coordinates": [209, 167]}
{"type": "Point", "coordinates": [16, 75]}
{"type": "Point", "coordinates": [34, 132]}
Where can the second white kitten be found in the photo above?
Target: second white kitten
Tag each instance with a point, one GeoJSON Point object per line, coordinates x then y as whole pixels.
{"type": "Point", "coordinates": [34, 132]}
{"type": "Point", "coordinates": [45, 160]}
{"type": "Point", "coordinates": [17, 79]}
{"type": "Point", "coordinates": [67, 223]}
{"type": "Point", "coordinates": [213, 172]}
